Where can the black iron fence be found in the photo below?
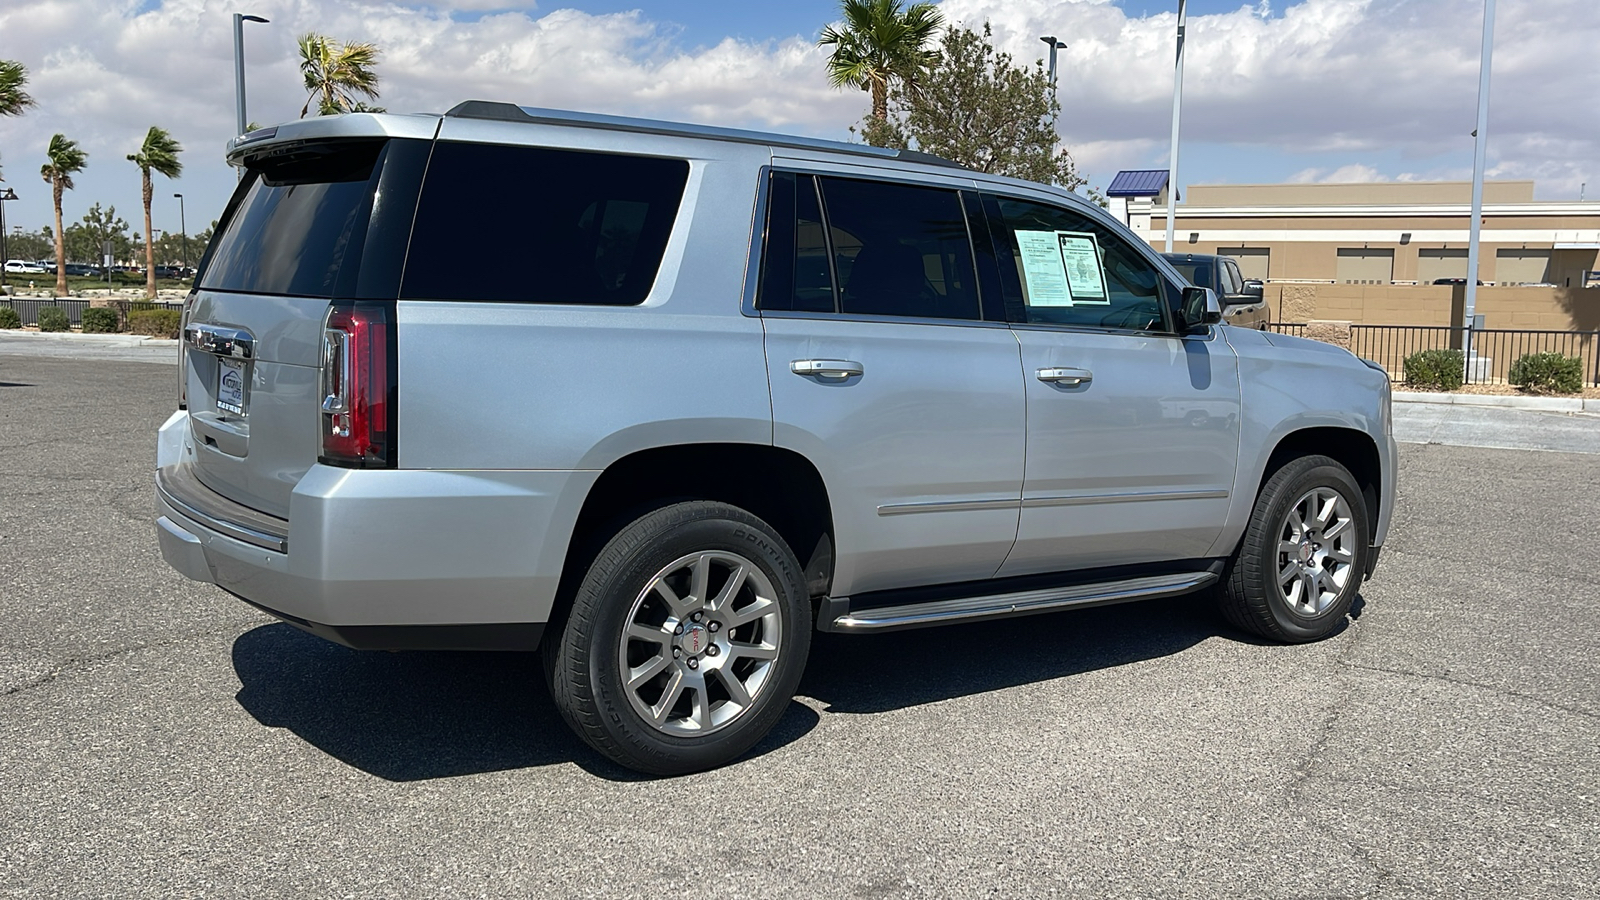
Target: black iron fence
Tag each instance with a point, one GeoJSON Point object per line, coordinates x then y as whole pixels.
{"type": "Point", "coordinates": [1489, 352]}
{"type": "Point", "coordinates": [28, 308]}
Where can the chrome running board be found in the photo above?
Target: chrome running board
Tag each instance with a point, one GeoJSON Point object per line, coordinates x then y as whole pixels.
{"type": "Point", "coordinates": [1022, 603]}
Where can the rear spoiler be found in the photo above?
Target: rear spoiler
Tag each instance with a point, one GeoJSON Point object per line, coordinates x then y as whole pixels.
{"type": "Point", "coordinates": [350, 125]}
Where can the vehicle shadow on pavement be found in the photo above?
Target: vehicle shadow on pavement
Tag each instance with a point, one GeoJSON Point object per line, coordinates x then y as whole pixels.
{"type": "Point", "coordinates": [417, 716]}
{"type": "Point", "coordinates": [877, 673]}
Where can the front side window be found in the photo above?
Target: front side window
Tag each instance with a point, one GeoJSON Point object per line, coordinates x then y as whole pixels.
{"type": "Point", "coordinates": [536, 225]}
{"type": "Point", "coordinates": [1065, 268]}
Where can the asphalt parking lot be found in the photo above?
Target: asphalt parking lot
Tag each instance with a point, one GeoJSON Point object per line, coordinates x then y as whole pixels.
{"type": "Point", "coordinates": [158, 738]}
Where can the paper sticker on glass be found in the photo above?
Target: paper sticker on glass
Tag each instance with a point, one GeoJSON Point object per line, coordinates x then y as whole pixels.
{"type": "Point", "coordinates": [1044, 273]}
{"type": "Point", "coordinates": [1086, 274]}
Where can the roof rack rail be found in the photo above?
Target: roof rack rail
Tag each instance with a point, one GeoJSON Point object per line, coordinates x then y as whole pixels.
{"type": "Point", "coordinates": [510, 112]}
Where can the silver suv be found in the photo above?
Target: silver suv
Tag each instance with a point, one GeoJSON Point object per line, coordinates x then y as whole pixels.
{"type": "Point", "coordinates": [660, 399]}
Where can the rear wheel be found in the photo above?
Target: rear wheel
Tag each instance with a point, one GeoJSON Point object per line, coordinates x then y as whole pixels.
{"type": "Point", "coordinates": [685, 642]}
{"type": "Point", "coordinates": [1301, 561]}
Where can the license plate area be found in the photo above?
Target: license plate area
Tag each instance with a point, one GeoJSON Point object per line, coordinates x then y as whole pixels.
{"type": "Point", "coordinates": [232, 394]}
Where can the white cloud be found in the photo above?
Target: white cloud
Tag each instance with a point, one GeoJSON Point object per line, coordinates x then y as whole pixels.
{"type": "Point", "coordinates": [1353, 173]}
{"type": "Point", "coordinates": [1346, 82]}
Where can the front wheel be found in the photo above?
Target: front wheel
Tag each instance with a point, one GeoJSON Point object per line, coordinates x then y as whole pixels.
{"type": "Point", "coordinates": [1300, 564]}
{"type": "Point", "coordinates": [686, 640]}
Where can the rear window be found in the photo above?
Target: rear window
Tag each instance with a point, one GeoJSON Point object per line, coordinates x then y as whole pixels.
{"type": "Point", "coordinates": [298, 215]}
{"type": "Point", "coordinates": [1199, 274]}
{"type": "Point", "coordinates": [535, 225]}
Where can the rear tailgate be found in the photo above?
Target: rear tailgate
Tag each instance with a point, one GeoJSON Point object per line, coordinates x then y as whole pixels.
{"type": "Point", "coordinates": [316, 218]}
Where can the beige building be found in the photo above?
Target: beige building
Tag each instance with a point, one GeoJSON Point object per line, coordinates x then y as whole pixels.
{"type": "Point", "coordinates": [1372, 233]}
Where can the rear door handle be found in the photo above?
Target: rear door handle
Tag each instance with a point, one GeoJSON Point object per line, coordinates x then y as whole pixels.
{"type": "Point", "coordinates": [1065, 377]}
{"type": "Point", "coordinates": [826, 368]}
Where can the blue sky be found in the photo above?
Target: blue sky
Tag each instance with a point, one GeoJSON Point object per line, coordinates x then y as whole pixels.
{"type": "Point", "coordinates": [1349, 90]}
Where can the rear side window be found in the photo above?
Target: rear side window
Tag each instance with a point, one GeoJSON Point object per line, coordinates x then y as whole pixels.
{"type": "Point", "coordinates": [796, 276]}
{"type": "Point", "coordinates": [529, 224]}
{"type": "Point", "coordinates": [299, 215]}
{"type": "Point", "coordinates": [866, 248]}
{"type": "Point", "coordinates": [900, 250]}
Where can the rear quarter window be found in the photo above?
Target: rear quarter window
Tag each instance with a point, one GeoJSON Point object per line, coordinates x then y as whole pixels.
{"type": "Point", "coordinates": [536, 225]}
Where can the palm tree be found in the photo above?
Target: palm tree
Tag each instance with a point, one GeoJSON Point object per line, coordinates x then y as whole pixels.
{"type": "Point", "coordinates": [879, 45]}
{"type": "Point", "coordinates": [66, 160]}
{"type": "Point", "coordinates": [159, 152]}
{"type": "Point", "coordinates": [334, 73]}
{"type": "Point", "coordinates": [13, 99]}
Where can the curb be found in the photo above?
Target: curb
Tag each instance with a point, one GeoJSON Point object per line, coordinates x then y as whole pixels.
{"type": "Point", "coordinates": [1548, 404]}
{"type": "Point", "coordinates": [100, 340]}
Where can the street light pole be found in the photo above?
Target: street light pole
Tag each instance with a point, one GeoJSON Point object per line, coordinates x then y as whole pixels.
{"type": "Point", "coordinates": [9, 194]}
{"type": "Point", "coordinates": [1177, 107]}
{"type": "Point", "coordinates": [238, 67]}
{"type": "Point", "coordinates": [183, 229]}
{"type": "Point", "coordinates": [1054, 45]}
{"type": "Point", "coordinates": [1479, 148]}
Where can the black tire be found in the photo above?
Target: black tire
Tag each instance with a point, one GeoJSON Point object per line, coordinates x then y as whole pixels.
{"type": "Point", "coordinates": [583, 659]}
{"type": "Point", "coordinates": [1250, 596]}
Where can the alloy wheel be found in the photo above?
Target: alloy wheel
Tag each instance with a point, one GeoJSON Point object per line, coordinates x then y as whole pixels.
{"type": "Point", "coordinates": [700, 643]}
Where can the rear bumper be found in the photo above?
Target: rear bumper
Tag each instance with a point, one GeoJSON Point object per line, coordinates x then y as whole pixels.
{"type": "Point", "coordinates": [398, 559]}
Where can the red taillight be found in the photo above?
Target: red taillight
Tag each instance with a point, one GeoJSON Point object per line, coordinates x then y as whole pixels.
{"type": "Point", "coordinates": [358, 369]}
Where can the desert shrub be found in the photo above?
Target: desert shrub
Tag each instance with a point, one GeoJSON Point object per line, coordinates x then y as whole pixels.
{"type": "Point", "coordinates": [155, 322]}
{"type": "Point", "coordinates": [54, 318]}
{"type": "Point", "coordinates": [99, 320]}
{"type": "Point", "coordinates": [1547, 373]}
{"type": "Point", "coordinates": [1442, 369]}
{"type": "Point", "coordinates": [9, 318]}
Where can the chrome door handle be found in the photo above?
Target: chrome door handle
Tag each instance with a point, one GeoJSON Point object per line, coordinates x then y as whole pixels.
{"type": "Point", "coordinates": [1065, 377]}
{"type": "Point", "coordinates": [234, 342]}
{"type": "Point", "coordinates": [826, 368]}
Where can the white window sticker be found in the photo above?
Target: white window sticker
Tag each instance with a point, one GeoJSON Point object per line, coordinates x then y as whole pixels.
{"type": "Point", "coordinates": [1043, 270]}
{"type": "Point", "coordinates": [1086, 275]}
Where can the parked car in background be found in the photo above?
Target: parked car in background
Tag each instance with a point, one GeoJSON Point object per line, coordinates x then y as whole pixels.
{"type": "Point", "coordinates": [171, 272]}
{"type": "Point", "coordinates": [1242, 301]}
{"type": "Point", "coordinates": [704, 391]}
{"type": "Point", "coordinates": [23, 267]}
{"type": "Point", "coordinates": [81, 269]}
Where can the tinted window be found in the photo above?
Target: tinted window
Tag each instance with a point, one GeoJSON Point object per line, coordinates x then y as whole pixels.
{"type": "Point", "coordinates": [1232, 283]}
{"type": "Point", "coordinates": [1199, 274]}
{"type": "Point", "coordinates": [899, 250]}
{"type": "Point", "coordinates": [1068, 269]}
{"type": "Point", "coordinates": [795, 274]}
{"type": "Point", "coordinates": [541, 226]}
{"type": "Point", "coordinates": [298, 216]}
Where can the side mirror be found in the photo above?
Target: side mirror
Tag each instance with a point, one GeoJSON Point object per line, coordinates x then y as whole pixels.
{"type": "Point", "coordinates": [1200, 309]}
{"type": "Point", "coordinates": [1254, 288]}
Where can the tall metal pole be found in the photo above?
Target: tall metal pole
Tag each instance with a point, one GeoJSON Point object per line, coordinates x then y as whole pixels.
{"type": "Point", "coordinates": [238, 70]}
{"type": "Point", "coordinates": [9, 193]}
{"type": "Point", "coordinates": [183, 229]}
{"type": "Point", "coordinates": [1054, 45]}
{"type": "Point", "coordinates": [1478, 159]}
{"type": "Point", "coordinates": [1177, 107]}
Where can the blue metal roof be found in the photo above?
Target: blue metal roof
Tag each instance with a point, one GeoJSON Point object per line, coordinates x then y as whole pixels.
{"type": "Point", "coordinates": [1137, 183]}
